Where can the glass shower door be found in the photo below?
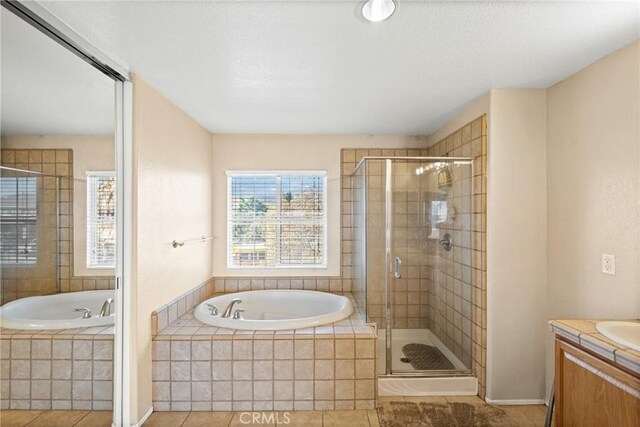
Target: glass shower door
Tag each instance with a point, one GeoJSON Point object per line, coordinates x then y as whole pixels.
{"type": "Point", "coordinates": [428, 215]}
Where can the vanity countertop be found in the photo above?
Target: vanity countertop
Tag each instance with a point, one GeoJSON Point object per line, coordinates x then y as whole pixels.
{"type": "Point", "coordinates": [585, 334]}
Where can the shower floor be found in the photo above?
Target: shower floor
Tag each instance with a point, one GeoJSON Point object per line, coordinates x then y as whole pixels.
{"type": "Point", "coordinates": [390, 385]}
{"type": "Point", "coordinates": [402, 337]}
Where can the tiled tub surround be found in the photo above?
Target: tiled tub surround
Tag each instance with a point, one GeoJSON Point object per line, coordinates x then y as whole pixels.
{"type": "Point", "coordinates": [585, 334]}
{"type": "Point", "coordinates": [66, 369]}
{"type": "Point", "coordinates": [197, 367]}
{"type": "Point", "coordinates": [17, 283]}
{"type": "Point", "coordinates": [311, 283]}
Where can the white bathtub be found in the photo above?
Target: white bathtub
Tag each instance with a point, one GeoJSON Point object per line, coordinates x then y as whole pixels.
{"type": "Point", "coordinates": [276, 309]}
{"type": "Point", "coordinates": [56, 311]}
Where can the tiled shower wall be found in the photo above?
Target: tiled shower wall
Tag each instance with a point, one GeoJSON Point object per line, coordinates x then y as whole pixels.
{"type": "Point", "coordinates": [413, 243]}
{"type": "Point", "coordinates": [409, 303]}
{"type": "Point", "coordinates": [446, 276]}
{"type": "Point", "coordinates": [468, 141]}
{"type": "Point", "coordinates": [39, 278]}
{"type": "Point", "coordinates": [18, 284]}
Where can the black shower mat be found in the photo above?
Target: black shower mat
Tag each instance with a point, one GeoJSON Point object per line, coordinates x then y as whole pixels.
{"type": "Point", "coordinates": [424, 357]}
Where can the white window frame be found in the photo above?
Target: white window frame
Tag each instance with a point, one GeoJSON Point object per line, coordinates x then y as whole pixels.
{"type": "Point", "coordinates": [91, 202]}
{"type": "Point", "coordinates": [278, 174]}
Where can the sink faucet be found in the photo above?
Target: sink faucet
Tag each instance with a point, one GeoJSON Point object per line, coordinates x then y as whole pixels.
{"type": "Point", "coordinates": [86, 313]}
{"type": "Point", "coordinates": [227, 311]}
{"type": "Point", "coordinates": [106, 308]}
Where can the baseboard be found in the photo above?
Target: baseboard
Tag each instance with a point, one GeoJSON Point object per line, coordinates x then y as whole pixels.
{"type": "Point", "coordinates": [144, 418]}
{"type": "Point", "coordinates": [507, 402]}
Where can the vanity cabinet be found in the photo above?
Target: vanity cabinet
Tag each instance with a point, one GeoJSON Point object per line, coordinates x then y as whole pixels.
{"type": "Point", "coordinates": [591, 391]}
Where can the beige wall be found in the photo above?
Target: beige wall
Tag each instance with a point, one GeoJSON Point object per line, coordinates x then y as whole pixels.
{"type": "Point", "coordinates": [172, 191]}
{"type": "Point", "coordinates": [90, 153]}
{"type": "Point", "coordinates": [288, 152]}
{"type": "Point", "coordinates": [516, 245]}
{"type": "Point", "coordinates": [593, 176]}
{"type": "Point", "coordinates": [516, 239]}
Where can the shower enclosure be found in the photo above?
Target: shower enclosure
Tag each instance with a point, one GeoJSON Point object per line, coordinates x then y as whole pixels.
{"type": "Point", "coordinates": [29, 233]}
{"type": "Point", "coordinates": [412, 261]}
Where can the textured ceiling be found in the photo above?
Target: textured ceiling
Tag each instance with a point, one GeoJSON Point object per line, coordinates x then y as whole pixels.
{"type": "Point", "coordinates": [46, 90]}
{"type": "Point", "coordinates": [317, 67]}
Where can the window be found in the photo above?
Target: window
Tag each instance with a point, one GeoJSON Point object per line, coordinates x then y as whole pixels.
{"type": "Point", "coordinates": [101, 220]}
{"type": "Point", "coordinates": [277, 220]}
{"type": "Point", "coordinates": [18, 221]}
{"type": "Point", "coordinates": [438, 212]}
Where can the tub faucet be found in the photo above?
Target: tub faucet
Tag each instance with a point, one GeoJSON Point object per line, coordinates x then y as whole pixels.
{"type": "Point", "coordinates": [106, 308]}
{"type": "Point", "coordinates": [227, 311]}
{"type": "Point", "coordinates": [86, 313]}
{"type": "Point", "coordinates": [212, 309]}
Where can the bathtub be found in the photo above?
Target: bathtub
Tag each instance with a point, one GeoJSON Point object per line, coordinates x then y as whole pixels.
{"type": "Point", "coordinates": [56, 311]}
{"type": "Point", "coordinates": [276, 309]}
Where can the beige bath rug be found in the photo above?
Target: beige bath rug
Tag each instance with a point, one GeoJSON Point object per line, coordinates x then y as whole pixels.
{"type": "Point", "coordinates": [418, 414]}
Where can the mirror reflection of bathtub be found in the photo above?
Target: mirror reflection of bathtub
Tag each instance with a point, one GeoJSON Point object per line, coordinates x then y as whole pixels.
{"type": "Point", "coordinates": [59, 311]}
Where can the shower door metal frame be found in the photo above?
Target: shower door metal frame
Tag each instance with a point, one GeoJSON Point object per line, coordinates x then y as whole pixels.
{"type": "Point", "coordinates": [388, 279]}
{"type": "Point", "coordinates": [363, 273]}
{"type": "Point", "coordinates": [388, 161]}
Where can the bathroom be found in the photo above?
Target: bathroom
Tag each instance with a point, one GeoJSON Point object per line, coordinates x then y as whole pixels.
{"type": "Point", "coordinates": [260, 232]}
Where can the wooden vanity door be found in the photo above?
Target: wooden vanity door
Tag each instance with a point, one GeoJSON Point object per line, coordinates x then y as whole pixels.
{"type": "Point", "coordinates": [592, 392]}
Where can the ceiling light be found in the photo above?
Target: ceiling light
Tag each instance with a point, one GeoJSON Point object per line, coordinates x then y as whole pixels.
{"type": "Point", "coordinates": [378, 10]}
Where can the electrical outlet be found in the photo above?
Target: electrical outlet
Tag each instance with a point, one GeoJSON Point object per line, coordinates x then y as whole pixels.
{"type": "Point", "coordinates": [609, 264]}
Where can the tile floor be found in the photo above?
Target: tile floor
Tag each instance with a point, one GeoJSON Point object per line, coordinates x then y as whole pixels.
{"type": "Point", "coordinates": [521, 416]}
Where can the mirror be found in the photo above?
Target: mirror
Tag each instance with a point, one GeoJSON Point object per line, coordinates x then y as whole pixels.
{"type": "Point", "coordinates": [57, 224]}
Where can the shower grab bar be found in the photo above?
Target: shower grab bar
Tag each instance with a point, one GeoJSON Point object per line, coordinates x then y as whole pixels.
{"type": "Point", "coordinates": [397, 268]}
{"type": "Point", "coordinates": [177, 244]}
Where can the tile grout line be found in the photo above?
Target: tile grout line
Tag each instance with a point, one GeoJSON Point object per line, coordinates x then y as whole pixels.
{"type": "Point", "coordinates": [38, 416]}
{"type": "Point", "coordinates": [82, 418]}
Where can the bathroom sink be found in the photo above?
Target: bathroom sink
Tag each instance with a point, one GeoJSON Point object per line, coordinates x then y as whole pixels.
{"type": "Point", "coordinates": [626, 334]}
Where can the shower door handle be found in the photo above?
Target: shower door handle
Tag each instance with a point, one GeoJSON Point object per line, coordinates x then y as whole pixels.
{"type": "Point", "coordinates": [397, 268]}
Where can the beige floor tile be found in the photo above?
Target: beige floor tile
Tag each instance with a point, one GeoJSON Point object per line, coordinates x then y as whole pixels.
{"type": "Point", "coordinates": [245, 419]}
{"type": "Point", "coordinates": [208, 419]}
{"type": "Point", "coordinates": [166, 419]}
{"type": "Point", "coordinates": [471, 400]}
{"type": "Point", "coordinates": [382, 399]}
{"type": "Point", "coordinates": [525, 415]}
{"type": "Point", "coordinates": [301, 418]}
{"type": "Point", "coordinates": [345, 419]}
{"type": "Point", "coordinates": [373, 418]}
{"type": "Point", "coordinates": [17, 418]}
{"type": "Point", "coordinates": [58, 418]}
{"type": "Point", "coordinates": [96, 419]}
{"type": "Point", "coordinates": [426, 399]}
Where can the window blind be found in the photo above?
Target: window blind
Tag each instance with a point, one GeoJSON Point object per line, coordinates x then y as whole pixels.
{"type": "Point", "coordinates": [101, 220]}
{"type": "Point", "coordinates": [276, 220]}
{"type": "Point", "coordinates": [18, 220]}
